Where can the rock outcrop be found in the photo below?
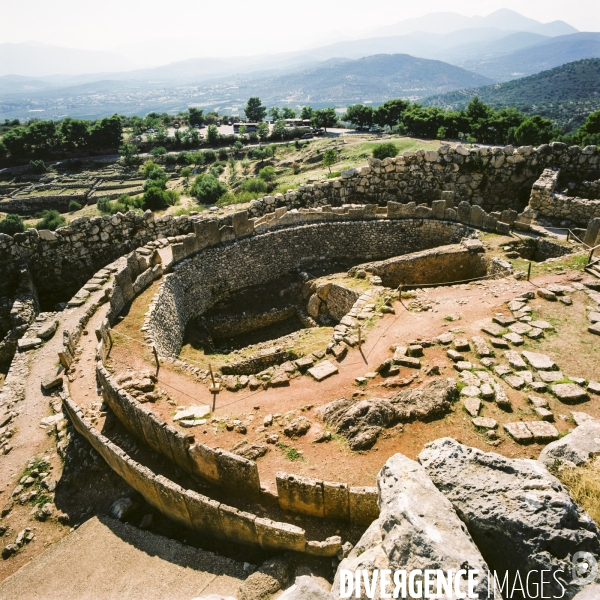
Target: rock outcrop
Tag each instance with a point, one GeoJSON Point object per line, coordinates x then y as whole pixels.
{"type": "Point", "coordinates": [362, 420]}
{"type": "Point", "coordinates": [417, 529]}
{"type": "Point", "coordinates": [519, 515]}
{"type": "Point", "coordinates": [574, 449]}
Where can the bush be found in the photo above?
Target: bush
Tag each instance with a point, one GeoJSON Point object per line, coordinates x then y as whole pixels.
{"type": "Point", "coordinates": [51, 219]}
{"type": "Point", "coordinates": [387, 150]}
{"type": "Point", "coordinates": [73, 206]}
{"type": "Point", "coordinates": [255, 186]}
{"type": "Point", "coordinates": [155, 199]}
{"type": "Point", "coordinates": [12, 224]}
{"type": "Point", "coordinates": [186, 172]}
{"type": "Point", "coordinates": [334, 174]}
{"type": "Point", "coordinates": [103, 205]}
{"type": "Point", "coordinates": [158, 151]}
{"type": "Point", "coordinates": [148, 168]}
{"type": "Point", "coordinates": [37, 166]}
{"type": "Point", "coordinates": [223, 155]}
{"type": "Point", "coordinates": [209, 156]}
{"type": "Point", "coordinates": [267, 174]}
{"type": "Point", "coordinates": [170, 159]}
{"type": "Point", "coordinates": [185, 158]}
{"type": "Point", "coordinates": [207, 189]}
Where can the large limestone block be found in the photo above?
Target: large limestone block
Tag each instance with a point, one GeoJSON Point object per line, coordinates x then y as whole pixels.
{"type": "Point", "coordinates": [417, 529]}
{"type": "Point", "coordinates": [577, 448]}
{"type": "Point", "coordinates": [520, 516]}
{"type": "Point", "coordinates": [305, 588]}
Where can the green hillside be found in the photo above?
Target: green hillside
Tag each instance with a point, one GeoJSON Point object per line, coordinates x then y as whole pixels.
{"type": "Point", "coordinates": [566, 94]}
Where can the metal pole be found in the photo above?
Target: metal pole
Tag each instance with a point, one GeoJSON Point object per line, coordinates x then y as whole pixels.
{"type": "Point", "coordinates": [156, 359]}
{"type": "Point", "coordinates": [359, 338]}
{"type": "Point", "coordinates": [529, 271]}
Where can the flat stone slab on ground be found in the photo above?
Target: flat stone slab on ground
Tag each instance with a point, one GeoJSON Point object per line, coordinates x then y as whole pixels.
{"type": "Point", "coordinates": [539, 324]}
{"type": "Point", "coordinates": [595, 329]}
{"type": "Point", "coordinates": [454, 355]}
{"type": "Point", "coordinates": [538, 386]}
{"type": "Point", "coordinates": [481, 348]}
{"type": "Point", "coordinates": [544, 414]}
{"type": "Point", "coordinates": [594, 387]}
{"type": "Point", "coordinates": [503, 320]}
{"type": "Point", "coordinates": [193, 412]}
{"type": "Point", "coordinates": [52, 381]}
{"type": "Point", "coordinates": [542, 431]}
{"type": "Point", "coordinates": [445, 338]}
{"type": "Point", "coordinates": [540, 362]}
{"type": "Point", "coordinates": [499, 343]}
{"type": "Point", "coordinates": [487, 392]}
{"type": "Point", "coordinates": [520, 328]}
{"type": "Point", "coordinates": [535, 334]}
{"type": "Point", "coordinates": [515, 382]}
{"type": "Point", "coordinates": [470, 391]}
{"type": "Point", "coordinates": [305, 362]}
{"type": "Point", "coordinates": [323, 370]}
{"type": "Point", "coordinates": [519, 432]}
{"type": "Point", "coordinates": [407, 361]}
{"type": "Point", "coordinates": [569, 393]}
{"type": "Point", "coordinates": [493, 329]}
{"type": "Point", "coordinates": [502, 370]}
{"type": "Point", "coordinates": [580, 417]}
{"type": "Point", "coordinates": [485, 422]}
{"type": "Point", "coordinates": [515, 361]}
{"type": "Point", "coordinates": [25, 344]}
{"type": "Point", "coordinates": [546, 294]}
{"type": "Point", "coordinates": [514, 338]}
{"type": "Point", "coordinates": [594, 317]}
{"type": "Point", "coordinates": [463, 365]}
{"type": "Point", "coordinates": [550, 376]}
{"type": "Point", "coordinates": [537, 401]}
{"type": "Point", "coordinates": [488, 363]}
{"type": "Point", "coordinates": [461, 345]}
{"type": "Point", "coordinates": [515, 305]}
{"type": "Point", "coordinates": [472, 406]}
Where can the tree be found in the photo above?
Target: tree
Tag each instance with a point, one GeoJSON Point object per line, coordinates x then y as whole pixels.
{"type": "Point", "coordinates": [329, 158]}
{"type": "Point", "coordinates": [279, 129]}
{"type": "Point", "coordinates": [155, 199]}
{"type": "Point", "coordinates": [533, 131]}
{"type": "Point", "coordinates": [43, 134]}
{"type": "Point", "coordinates": [389, 114]}
{"type": "Point", "coordinates": [255, 186]}
{"type": "Point", "coordinates": [207, 189]}
{"type": "Point", "coordinates": [195, 116]}
{"type": "Point", "coordinates": [267, 174]}
{"type": "Point", "coordinates": [212, 134]}
{"type": "Point", "coordinates": [262, 130]}
{"type": "Point", "coordinates": [306, 112]}
{"type": "Point", "coordinates": [74, 132]}
{"type": "Point", "coordinates": [107, 132]}
{"type": "Point", "coordinates": [130, 155]}
{"type": "Point", "coordinates": [387, 150]}
{"type": "Point", "coordinates": [359, 115]}
{"type": "Point", "coordinates": [274, 113]}
{"type": "Point", "coordinates": [591, 125]}
{"type": "Point", "coordinates": [254, 110]}
{"type": "Point", "coordinates": [288, 113]}
{"type": "Point", "coordinates": [324, 118]}
{"type": "Point", "coordinates": [158, 151]}
{"type": "Point", "coordinates": [12, 224]}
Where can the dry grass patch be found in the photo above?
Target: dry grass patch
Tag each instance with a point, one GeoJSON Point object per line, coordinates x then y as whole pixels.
{"type": "Point", "coordinates": [583, 484]}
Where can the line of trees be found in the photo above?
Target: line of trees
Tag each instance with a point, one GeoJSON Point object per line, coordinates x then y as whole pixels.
{"type": "Point", "coordinates": [478, 122]}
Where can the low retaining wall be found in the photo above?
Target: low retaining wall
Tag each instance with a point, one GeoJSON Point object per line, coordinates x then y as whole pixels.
{"type": "Point", "coordinates": [438, 265]}
{"type": "Point", "coordinates": [223, 327]}
{"type": "Point", "coordinates": [193, 510]}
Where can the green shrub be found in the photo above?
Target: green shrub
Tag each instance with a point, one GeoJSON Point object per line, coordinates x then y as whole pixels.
{"type": "Point", "coordinates": [155, 199]}
{"type": "Point", "coordinates": [186, 172]}
{"type": "Point", "coordinates": [73, 206]}
{"type": "Point", "coordinates": [170, 159]}
{"type": "Point", "coordinates": [207, 189]}
{"type": "Point", "coordinates": [158, 151]}
{"type": "Point", "coordinates": [12, 224]}
{"type": "Point", "coordinates": [148, 168]}
{"type": "Point", "coordinates": [387, 150]}
{"type": "Point", "coordinates": [267, 174]}
{"type": "Point", "coordinates": [334, 174]}
{"type": "Point", "coordinates": [209, 156]}
{"type": "Point", "coordinates": [256, 186]}
{"type": "Point", "coordinates": [37, 166]}
{"type": "Point", "coordinates": [103, 205]}
{"type": "Point", "coordinates": [222, 154]}
{"type": "Point", "coordinates": [51, 219]}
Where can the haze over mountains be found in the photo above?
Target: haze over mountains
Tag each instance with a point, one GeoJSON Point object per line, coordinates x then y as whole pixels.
{"type": "Point", "coordinates": [415, 58]}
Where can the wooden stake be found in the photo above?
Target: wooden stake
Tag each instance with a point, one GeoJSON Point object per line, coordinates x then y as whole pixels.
{"type": "Point", "coordinates": [212, 376]}
{"type": "Point", "coordinates": [529, 271]}
{"type": "Point", "coordinates": [359, 338]}
{"type": "Point", "coordinates": [156, 359]}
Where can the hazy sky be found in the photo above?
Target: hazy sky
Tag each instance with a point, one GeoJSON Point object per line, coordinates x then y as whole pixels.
{"type": "Point", "coordinates": [235, 27]}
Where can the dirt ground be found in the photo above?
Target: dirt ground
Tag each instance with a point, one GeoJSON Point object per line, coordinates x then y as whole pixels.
{"type": "Point", "coordinates": [473, 304]}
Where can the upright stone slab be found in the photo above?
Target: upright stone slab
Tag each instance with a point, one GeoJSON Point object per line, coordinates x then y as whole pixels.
{"type": "Point", "coordinates": [242, 226]}
{"type": "Point", "coordinates": [464, 212]}
{"type": "Point", "coordinates": [207, 233]}
{"type": "Point", "coordinates": [438, 209]}
{"type": "Point", "coordinates": [477, 215]}
{"type": "Point", "coordinates": [300, 494]}
{"type": "Point", "coordinates": [592, 233]}
{"type": "Point", "coordinates": [336, 500]}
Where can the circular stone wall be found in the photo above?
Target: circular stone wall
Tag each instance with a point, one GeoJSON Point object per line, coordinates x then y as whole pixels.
{"type": "Point", "coordinates": [198, 283]}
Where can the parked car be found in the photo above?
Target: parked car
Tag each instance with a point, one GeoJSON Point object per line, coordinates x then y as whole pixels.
{"type": "Point", "coordinates": [307, 136]}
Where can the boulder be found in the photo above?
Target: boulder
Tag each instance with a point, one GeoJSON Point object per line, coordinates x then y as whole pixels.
{"type": "Point", "coordinates": [269, 579]}
{"type": "Point", "coordinates": [305, 588]}
{"type": "Point", "coordinates": [576, 448]}
{"type": "Point", "coordinates": [323, 370]}
{"type": "Point", "coordinates": [297, 427]}
{"type": "Point", "coordinates": [520, 516]}
{"type": "Point", "coordinates": [417, 528]}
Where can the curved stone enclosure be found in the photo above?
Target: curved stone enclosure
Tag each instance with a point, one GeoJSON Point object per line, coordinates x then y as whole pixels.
{"type": "Point", "coordinates": [198, 283]}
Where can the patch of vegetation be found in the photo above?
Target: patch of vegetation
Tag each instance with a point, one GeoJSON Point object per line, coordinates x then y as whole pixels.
{"type": "Point", "coordinates": [583, 484]}
{"type": "Point", "coordinates": [290, 452]}
{"type": "Point", "coordinates": [51, 219]}
{"type": "Point", "coordinates": [12, 224]}
{"type": "Point", "coordinates": [74, 206]}
{"type": "Point", "coordinates": [387, 150]}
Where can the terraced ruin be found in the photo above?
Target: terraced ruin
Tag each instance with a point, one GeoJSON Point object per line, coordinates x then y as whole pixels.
{"type": "Point", "coordinates": [257, 382]}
